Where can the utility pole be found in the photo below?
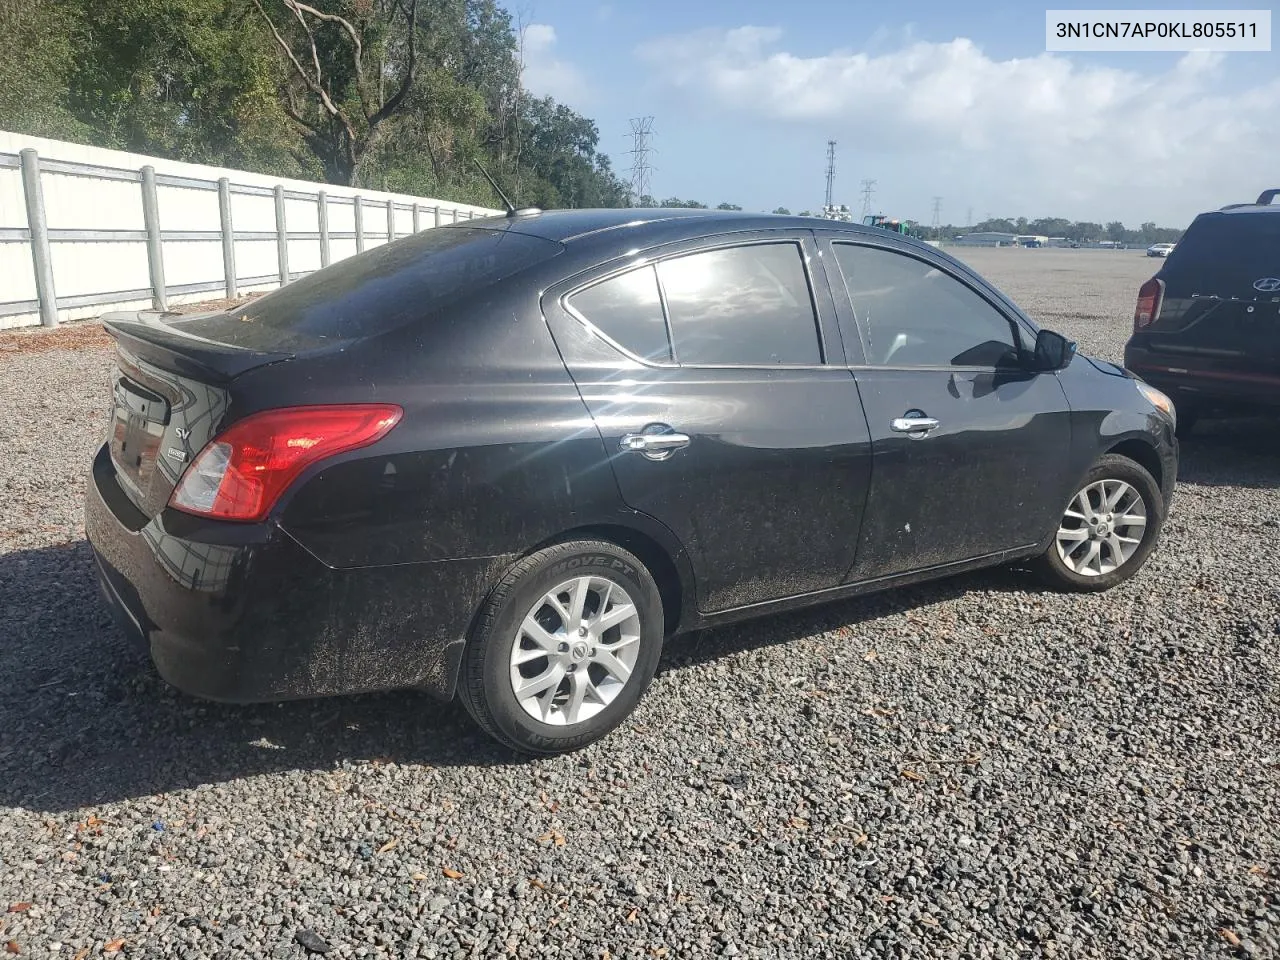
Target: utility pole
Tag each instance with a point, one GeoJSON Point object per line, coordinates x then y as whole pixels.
{"type": "Point", "coordinates": [937, 212]}
{"type": "Point", "coordinates": [868, 188]}
{"type": "Point", "coordinates": [831, 173]}
{"type": "Point", "coordinates": [969, 219]}
{"type": "Point", "coordinates": [641, 131]}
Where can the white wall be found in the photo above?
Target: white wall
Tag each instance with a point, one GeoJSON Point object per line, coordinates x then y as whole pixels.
{"type": "Point", "coordinates": [97, 268]}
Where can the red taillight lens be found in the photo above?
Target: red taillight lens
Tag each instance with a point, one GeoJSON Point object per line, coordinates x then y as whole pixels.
{"type": "Point", "coordinates": [1150, 297]}
{"type": "Point", "coordinates": [242, 472]}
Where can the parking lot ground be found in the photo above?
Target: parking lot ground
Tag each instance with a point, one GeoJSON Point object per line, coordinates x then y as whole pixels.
{"type": "Point", "coordinates": [972, 768]}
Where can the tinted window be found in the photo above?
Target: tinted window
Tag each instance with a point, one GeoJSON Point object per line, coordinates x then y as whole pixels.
{"type": "Point", "coordinates": [913, 314]}
{"type": "Point", "coordinates": [741, 305]}
{"type": "Point", "coordinates": [1224, 254]}
{"type": "Point", "coordinates": [628, 310]}
{"type": "Point", "coordinates": [376, 291]}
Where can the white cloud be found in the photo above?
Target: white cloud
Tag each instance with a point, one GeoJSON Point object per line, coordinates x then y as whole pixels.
{"type": "Point", "coordinates": [1038, 135]}
{"type": "Point", "coordinates": [545, 74]}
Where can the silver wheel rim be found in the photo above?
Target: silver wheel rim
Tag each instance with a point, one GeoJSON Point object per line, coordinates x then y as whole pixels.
{"type": "Point", "coordinates": [1102, 528]}
{"type": "Point", "coordinates": [575, 650]}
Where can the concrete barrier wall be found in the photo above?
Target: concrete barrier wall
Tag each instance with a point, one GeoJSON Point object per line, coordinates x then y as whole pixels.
{"type": "Point", "coordinates": [84, 230]}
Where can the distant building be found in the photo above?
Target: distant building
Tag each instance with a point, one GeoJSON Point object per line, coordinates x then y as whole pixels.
{"type": "Point", "coordinates": [1032, 240]}
{"type": "Point", "coordinates": [987, 239]}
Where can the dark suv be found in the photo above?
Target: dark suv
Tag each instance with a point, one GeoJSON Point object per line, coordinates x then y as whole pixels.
{"type": "Point", "coordinates": [1207, 326]}
{"type": "Point", "coordinates": [510, 459]}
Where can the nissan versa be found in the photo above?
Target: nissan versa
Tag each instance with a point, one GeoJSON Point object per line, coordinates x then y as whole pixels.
{"type": "Point", "coordinates": [507, 459]}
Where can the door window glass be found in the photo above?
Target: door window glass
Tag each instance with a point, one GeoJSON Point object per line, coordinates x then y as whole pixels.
{"type": "Point", "coordinates": [741, 305]}
{"type": "Point", "coordinates": [628, 310]}
{"type": "Point", "coordinates": [914, 314]}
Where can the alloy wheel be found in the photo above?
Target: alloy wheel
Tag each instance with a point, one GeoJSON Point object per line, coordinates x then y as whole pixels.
{"type": "Point", "coordinates": [575, 650]}
{"type": "Point", "coordinates": [1102, 528]}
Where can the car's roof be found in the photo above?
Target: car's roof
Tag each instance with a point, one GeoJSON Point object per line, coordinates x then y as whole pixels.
{"type": "Point", "coordinates": [565, 226]}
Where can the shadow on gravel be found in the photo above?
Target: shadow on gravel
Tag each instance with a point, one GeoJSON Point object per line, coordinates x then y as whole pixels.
{"type": "Point", "coordinates": [85, 719]}
{"type": "Point", "coordinates": [1232, 453]}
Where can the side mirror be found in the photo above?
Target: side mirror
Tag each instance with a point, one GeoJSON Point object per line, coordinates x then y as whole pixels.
{"type": "Point", "coordinates": [1052, 352]}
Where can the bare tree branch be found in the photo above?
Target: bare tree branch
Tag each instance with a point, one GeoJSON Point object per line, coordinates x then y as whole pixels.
{"type": "Point", "coordinates": [357, 57]}
{"type": "Point", "coordinates": [410, 70]}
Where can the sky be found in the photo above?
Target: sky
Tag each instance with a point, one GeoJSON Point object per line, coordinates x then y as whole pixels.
{"type": "Point", "coordinates": [957, 100]}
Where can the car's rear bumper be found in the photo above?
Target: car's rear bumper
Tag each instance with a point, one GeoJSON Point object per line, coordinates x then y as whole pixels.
{"type": "Point", "coordinates": [245, 614]}
{"type": "Point", "coordinates": [1205, 384]}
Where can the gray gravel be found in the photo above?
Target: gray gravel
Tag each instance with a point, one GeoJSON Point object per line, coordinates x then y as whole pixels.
{"type": "Point", "coordinates": [974, 768]}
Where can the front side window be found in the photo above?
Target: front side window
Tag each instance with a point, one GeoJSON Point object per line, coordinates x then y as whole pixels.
{"type": "Point", "coordinates": [628, 310]}
{"type": "Point", "coordinates": [743, 305]}
{"type": "Point", "coordinates": [914, 314]}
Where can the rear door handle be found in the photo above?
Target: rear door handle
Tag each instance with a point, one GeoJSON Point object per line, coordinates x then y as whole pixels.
{"type": "Point", "coordinates": [657, 445]}
{"type": "Point", "coordinates": [914, 424]}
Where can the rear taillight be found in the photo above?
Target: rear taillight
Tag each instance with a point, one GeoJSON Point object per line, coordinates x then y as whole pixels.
{"type": "Point", "coordinates": [1150, 297]}
{"type": "Point", "coordinates": [242, 472]}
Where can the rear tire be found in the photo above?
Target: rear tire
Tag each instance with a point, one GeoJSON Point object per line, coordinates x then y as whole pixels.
{"type": "Point", "coordinates": [564, 648]}
{"type": "Point", "coordinates": [1108, 528]}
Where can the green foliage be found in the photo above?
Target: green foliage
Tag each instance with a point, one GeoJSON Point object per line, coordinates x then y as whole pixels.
{"type": "Point", "coordinates": [727, 206]}
{"type": "Point", "coordinates": [39, 45]}
{"type": "Point", "coordinates": [782, 211]}
{"type": "Point", "coordinates": [234, 83]}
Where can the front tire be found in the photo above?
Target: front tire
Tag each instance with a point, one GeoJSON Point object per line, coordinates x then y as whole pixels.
{"type": "Point", "coordinates": [564, 648]}
{"type": "Point", "coordinates": [1108, 529]}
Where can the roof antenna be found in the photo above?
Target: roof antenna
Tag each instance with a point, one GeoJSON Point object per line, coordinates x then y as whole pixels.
{"type": "Point", "coordinates": [511, 207]}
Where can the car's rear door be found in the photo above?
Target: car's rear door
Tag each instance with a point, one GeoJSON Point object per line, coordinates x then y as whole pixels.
{"type": "Point", "coordinates": [715, 376]}
{"type": "Point", "coordinates": [970, 450]}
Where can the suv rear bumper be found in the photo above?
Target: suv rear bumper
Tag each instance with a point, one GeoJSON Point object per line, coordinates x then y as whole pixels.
{"type": "Point", "coordinates": [244, 614]}
{"type": "Point", "coordinates": [1204, 383]}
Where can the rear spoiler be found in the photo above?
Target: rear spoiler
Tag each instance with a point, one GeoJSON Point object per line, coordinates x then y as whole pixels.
{"type": "Point", "coordinates": [1266, 196]}
{"type": "Point", "coordinates": [149, 335]}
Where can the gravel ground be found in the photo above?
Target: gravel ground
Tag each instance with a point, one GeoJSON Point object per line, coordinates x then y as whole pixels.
{"type": "Point", "coordinates": [974, 768]}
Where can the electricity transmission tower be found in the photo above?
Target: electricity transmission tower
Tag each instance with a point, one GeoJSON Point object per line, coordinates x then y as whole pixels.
{"type": "Point", "coordinates": [937, 212]}
{"type": "Point", "coordinates": [641, 131]}
{"type": "Point", "coordinates": [969, 218]}
{"type": "Point", "coordinates": [868, 188]}
{"type": "Point", "coordinates": [831, 173]}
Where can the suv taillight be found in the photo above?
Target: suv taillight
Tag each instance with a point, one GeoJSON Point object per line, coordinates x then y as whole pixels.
{"type": "Point", "coordinates": [1150, 297]}
{"type": "Point", "coordinates": [241, 473]}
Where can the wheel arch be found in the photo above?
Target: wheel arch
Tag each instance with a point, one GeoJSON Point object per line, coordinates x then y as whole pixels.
{"type": "Point", "coordinates": [669, 568]}
{"type": "Point", "coordinates": [1143, 453]}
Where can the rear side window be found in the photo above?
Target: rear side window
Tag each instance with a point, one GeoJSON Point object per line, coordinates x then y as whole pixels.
{"type": "Point", "coordinates": [741, 305]}
{"type": "Point", "coordinates": [914, 315]}
{"type": "Point", "coordinates": [628, 310]}
{"type": "Point", "coordinates": [376, 291]}
{"type": "Point", "coordinates": [1224, 255]}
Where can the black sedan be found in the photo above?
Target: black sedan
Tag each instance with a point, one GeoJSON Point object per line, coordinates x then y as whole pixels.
{"type": "Point", "coordinates": [507, 460]}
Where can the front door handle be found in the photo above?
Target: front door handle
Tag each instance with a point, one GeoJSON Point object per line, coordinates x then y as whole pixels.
{"type": "Point", "coordinates": [659, 444]}
{"type": "Point", "coordinates": [914, 424]}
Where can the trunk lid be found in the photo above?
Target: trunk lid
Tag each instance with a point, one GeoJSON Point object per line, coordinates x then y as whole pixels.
{"type": "Point", "coordinates": [169, 396]}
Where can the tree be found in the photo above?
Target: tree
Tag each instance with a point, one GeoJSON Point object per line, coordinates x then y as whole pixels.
{"type": "Point", "coordinates": [782, 211]}
{"type": "Point", "coordinates": [348, 76]}
{"type": "Point", "coordinates": [1115, 230]}
{"type": "Point", "coordinates": [727, 206]}
{"type": "Point", "coordinates": [39, 47]}
{"type": "Point", "coordinates": [804, 213]}
{"type": "Point", "coordinates": [688, 204]}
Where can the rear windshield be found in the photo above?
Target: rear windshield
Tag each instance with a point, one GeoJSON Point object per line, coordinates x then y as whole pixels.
{"type": "Point", "coordinates": [1224, 254]}
{"type": "Point", "coordinates": [376, 291]}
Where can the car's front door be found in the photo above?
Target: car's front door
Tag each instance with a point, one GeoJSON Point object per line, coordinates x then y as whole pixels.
{"type": "Point", "coordinates": [970, 448]}
{"type": "Point", "coordinates": [716, 379]}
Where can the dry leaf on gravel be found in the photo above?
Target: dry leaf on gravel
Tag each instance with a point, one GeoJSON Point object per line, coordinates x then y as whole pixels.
{"type": "Point", "coordinates": [452, 874]}
{"type": "Point", "coordinates": [12, 947]}
{"type": "Point", "coordinates": [389, 845]}
{"type": "Point", "coordinates": [912, 775]}
{"type": "Point", "coordinates": [20, 907]}
{"type": "Point", "coordinates": [1229, 936]}
{"type": "Point", "coordinates": [113, 946]}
